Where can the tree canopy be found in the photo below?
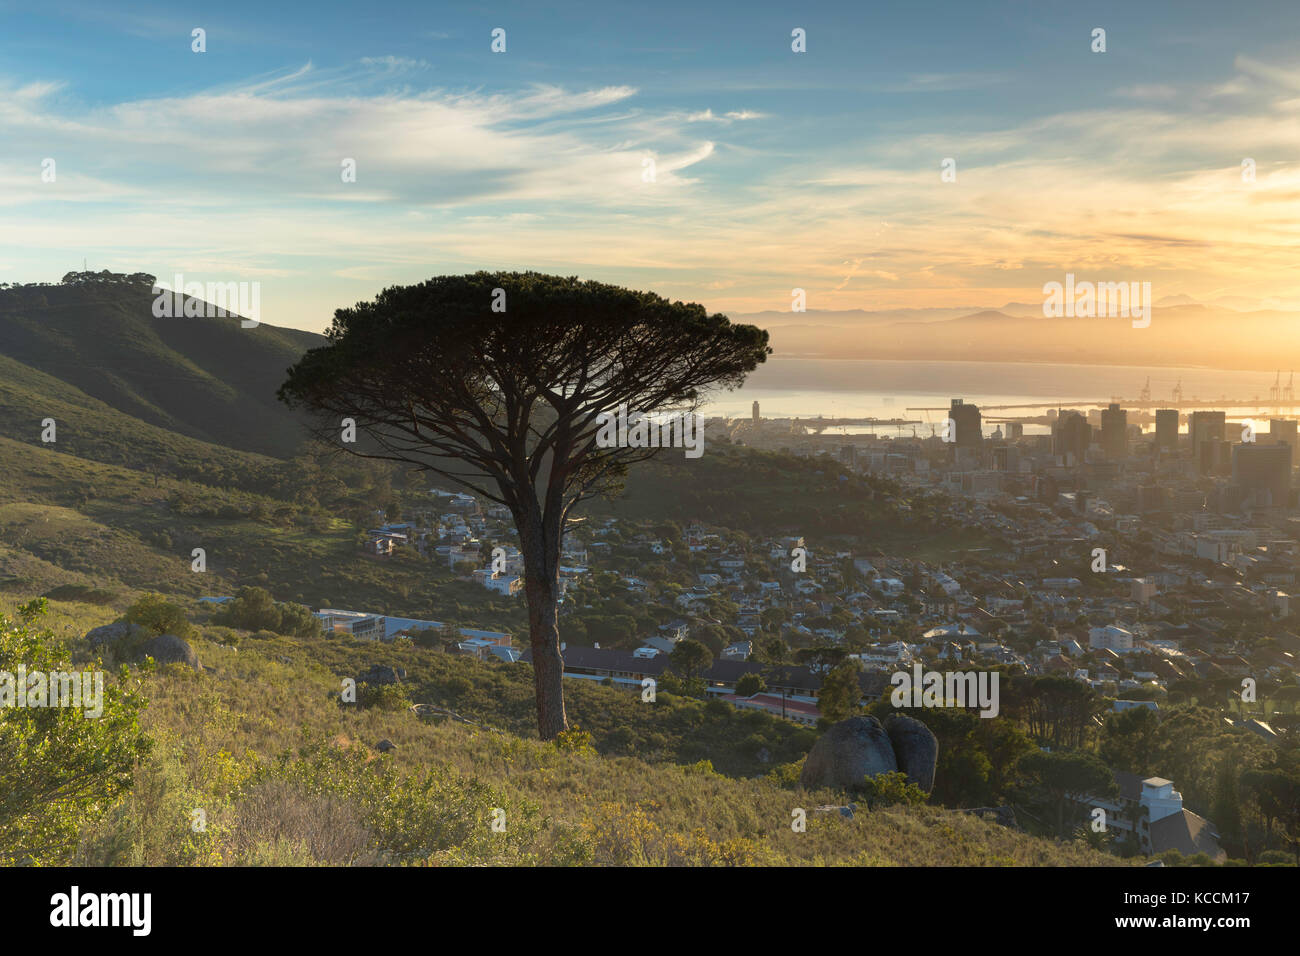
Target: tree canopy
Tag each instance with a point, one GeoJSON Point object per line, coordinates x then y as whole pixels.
{"type": "Point", "coordinates": [436, 378]}
{"type": "Point", "coordinates": [501, 382]}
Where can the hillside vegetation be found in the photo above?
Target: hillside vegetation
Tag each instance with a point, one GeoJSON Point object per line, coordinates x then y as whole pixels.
{"type": "Point", "coordinates": [169, 439]}
{"type": "Point", "coordinates": [285, 774]}
{"type": "Point", "coordinates": [202, 378]}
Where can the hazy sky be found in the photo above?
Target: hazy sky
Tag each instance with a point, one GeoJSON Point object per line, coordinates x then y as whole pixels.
{"type": "Point", "coordinates": [773, 169]}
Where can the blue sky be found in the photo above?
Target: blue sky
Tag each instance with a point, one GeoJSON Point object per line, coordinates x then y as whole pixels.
{"type": "Point", "coordinates": [771, 169]}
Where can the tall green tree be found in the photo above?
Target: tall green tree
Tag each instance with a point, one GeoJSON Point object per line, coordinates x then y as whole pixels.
{"type": "Point", "coordinates": [499, 381]}
{"type": "Point", "coordinates": [773, 617]}
{"type": "Point", "coordinates": [1129, 739]}
{"type": "Point", "coordinates": [1064, 775]}
{"type": "Point", "coordinates": [1058, 711]}
{"type": "Point", "coordinates": [750, 684]}
{"type": "Point", "coordinates": [1227, 802]}
{"type": "Point", "coordinates": [821, 660]}
{"type": "Point", "coordinates": [841, 695]}
{"type": "Point", "coordinates": [690, 658]}
{"type": "Point", "coordinates": [1278, 794]}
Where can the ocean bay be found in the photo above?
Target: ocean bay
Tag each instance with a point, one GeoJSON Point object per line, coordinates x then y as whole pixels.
{"type": "Point", "coordinates": [884, 389]}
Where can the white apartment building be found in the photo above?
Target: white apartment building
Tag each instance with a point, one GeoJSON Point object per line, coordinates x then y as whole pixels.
{"type": "Point", "coordinates": [1111, 637]}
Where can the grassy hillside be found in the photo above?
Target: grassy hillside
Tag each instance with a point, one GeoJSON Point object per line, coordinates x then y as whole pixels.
{"type": "Point", "coordinates": [286, 774]}
{"type": "Point", "coordinates": [91, 429]}
{"type": "Point", "coordinates": [66, 520]}
{"type": "Point", "coordinates": [169, 439]}
{"type": "Point", "coordinates": [204, 378]}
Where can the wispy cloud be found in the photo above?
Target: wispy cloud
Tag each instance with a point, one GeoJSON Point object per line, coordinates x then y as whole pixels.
{"type": "Point", "coordinates": [731, 116]}
{"type": "Point", "coordinates": [1289, 78]}
{"type": "Point", "coordinates": [246, 175]}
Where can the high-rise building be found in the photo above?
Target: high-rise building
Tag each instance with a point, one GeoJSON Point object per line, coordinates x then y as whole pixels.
{"type": "Point", "coordinates": [1284, 430]}
{"type": "Point", "coordinates": [757, 419]}
{"type": "Point", "coordinates": [1015, 431]}
{"type": "Point", "coordinates": [1166, 429]}
{"type": "Point", "coordinates": [1071, 435]}
{"type": "Point", "coordinates": [1204, 427]}
{"type": "Point", "coordinates": [1114, 431]}
{"type": "Point", "coordinates": [1215, 457]}
{"type": "Point", "coordinates": [1006, 458]}
{"type": "Point", "coordinates": [966, 424]}
{"type": "Point", "coordinates": [1264, 470]}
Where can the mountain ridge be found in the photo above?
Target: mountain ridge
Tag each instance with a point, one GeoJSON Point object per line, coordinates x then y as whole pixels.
{"type": "Point", "coordinates": [205, 378]}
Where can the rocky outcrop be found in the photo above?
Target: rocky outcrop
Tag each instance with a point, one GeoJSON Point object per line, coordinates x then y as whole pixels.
{"type": "Point", "coordinates": [128, 643]}
{"type": "Point", "coordinates": [862, 747]}
{"type": "Point", "coordinates": [112, 633]}
{"type": "Point", "coordinates": [169, 649]}
{"type": "Point", "coordinates": [915, 748]}
{"type": "Point", "coordinates": [847, 753]}
{"type": "Point", "coordinates": [382, 674]}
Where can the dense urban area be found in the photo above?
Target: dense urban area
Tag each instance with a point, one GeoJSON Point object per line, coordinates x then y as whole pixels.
{"type": "Point", "coordinates": [1152, 568]}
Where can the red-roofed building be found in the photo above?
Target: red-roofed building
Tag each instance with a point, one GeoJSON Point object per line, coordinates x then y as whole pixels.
{"type": "Point", "coordinates": [801, 712]}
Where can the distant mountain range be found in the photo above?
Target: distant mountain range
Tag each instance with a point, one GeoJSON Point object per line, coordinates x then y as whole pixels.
{"type": "Point", "coordinates": [1182, 332]}
{"type": "Point", "coordinates": [939, 314]}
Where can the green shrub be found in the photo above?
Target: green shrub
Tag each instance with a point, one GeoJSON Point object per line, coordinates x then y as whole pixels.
{"type": "Point", "coordinates": [576, 740]}
{"type": "Point", "coordinates": [390, 697]}
{"type": "Point", "coordinates": [786, 774]}
{"type": "Point", "coordinates": [253, 609]}
{"type": "Point", "coordinates": [889, 789]}
{"type": "Point", "coordinates": [458, 688]}
{"type": "Point", "coordinates": [222, 635]}
{"type": "Point", "coordinates": [716, 707]}
{"type": "Point", "coordinates": [702, 768]}
{"type": "Point", "coordinates": [434, 817]}
{"type": "Point", "coordinates": [59, 771]}
{"type": "Point", "coordinates": [155, 614]}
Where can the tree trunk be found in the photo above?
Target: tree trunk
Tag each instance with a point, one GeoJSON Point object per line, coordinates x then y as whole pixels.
{"type": "Point", "coordinates": [541, 587]}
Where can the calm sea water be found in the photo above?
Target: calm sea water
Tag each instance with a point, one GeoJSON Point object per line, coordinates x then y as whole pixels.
{"type": "Point", "coordinates": [865, 388]}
